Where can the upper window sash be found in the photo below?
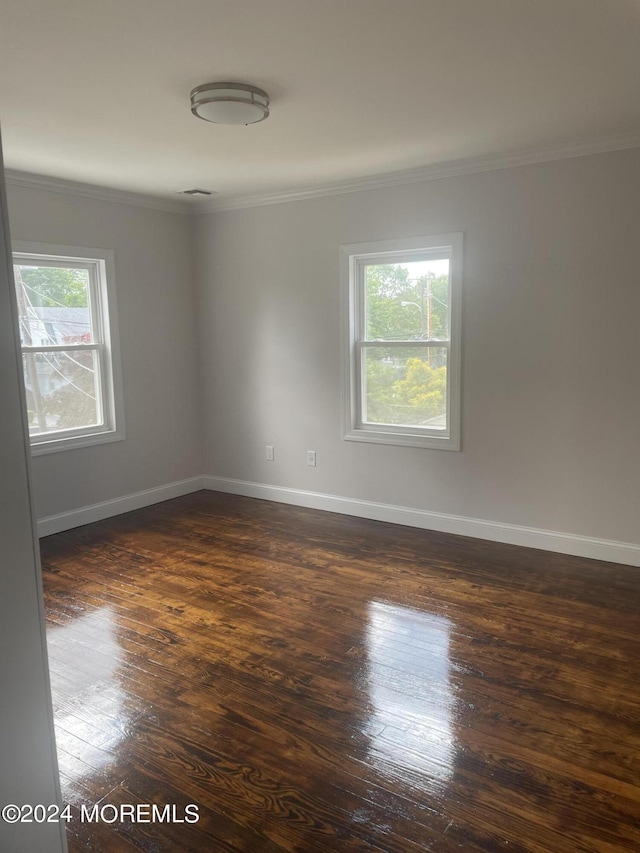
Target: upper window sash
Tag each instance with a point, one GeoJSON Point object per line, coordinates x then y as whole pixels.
{"type": "Point", "coordinates": [360, 267]}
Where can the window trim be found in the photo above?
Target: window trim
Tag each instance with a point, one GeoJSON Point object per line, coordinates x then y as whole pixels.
{"type": "Point", "coordinates": [353, 259]}
{"type": "Point", "coordinates": [102, 294]}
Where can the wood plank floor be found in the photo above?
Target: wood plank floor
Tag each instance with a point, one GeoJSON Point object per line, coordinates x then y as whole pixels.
{"type": "Point", "coordinates": [314, 682]}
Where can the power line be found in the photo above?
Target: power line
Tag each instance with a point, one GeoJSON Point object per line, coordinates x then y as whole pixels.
{"type": "Point", "coordinates": [52, 365]}
{"type": "Point", "coordinates": [66, 378]}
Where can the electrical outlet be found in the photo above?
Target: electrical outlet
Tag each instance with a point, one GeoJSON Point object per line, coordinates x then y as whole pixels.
{"type": "Point", "coordinates": [270, 453]}
{"type": "Point", "coordinates": [311, 458]}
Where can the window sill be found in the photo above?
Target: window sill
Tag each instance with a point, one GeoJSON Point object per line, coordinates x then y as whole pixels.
{"type": "Point", "coordinates": [40, 448]}
{"type": "Point", "coordinates": [432, 442]}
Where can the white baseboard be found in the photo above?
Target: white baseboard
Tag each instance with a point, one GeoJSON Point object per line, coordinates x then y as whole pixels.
{"type": "Point", "coordinates": [106, 509]}
{"type": "Point", "coordinates": [512, 534]}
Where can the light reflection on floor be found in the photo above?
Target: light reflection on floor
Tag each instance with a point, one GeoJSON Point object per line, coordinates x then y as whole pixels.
{"type": "Point", "coordinates": [410, 727]}
{"type": "Point", "coordinates": [91, 721]}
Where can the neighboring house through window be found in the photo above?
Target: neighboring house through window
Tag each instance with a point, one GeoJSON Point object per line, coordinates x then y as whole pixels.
{"type": "Point", "coordinates": [402, 305]}
{"type": "Point", "coordinates": [70, 354]}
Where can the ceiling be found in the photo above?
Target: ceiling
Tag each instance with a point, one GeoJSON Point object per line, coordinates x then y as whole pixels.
{"type": "Point", "coordinates": [97, 91]}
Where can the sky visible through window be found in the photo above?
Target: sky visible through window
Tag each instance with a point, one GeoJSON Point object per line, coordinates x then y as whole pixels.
{"type": "Point", "coordinates": [417, 269]}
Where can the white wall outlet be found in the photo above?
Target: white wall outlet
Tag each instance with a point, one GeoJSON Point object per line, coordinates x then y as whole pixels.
{"type": "Point", "coordinates": [311, 458]}
{"type": "Point", "coordinates": [270, 453]}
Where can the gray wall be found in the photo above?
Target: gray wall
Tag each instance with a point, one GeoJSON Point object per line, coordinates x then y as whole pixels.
{"type": "Point", "coordinates": [551, 306]}
{"type": "Point", "coordinates": [28, 771]}
{"type": "Point", "coordinates": [155, 296]}
{"type": "Point", "coordinates": [550, 309]}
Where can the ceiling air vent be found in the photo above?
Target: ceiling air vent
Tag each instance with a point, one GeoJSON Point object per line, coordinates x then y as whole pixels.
{"type": "Point", "coordinates": [196, 192]}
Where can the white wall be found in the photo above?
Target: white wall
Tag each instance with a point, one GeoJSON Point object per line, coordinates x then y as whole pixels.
{"type": "Point", "coordinates": [156, 313]}
{"type": "Point", "coordinates": [551, 309]}
{"type": "Point", "coordinates": [28, 771]}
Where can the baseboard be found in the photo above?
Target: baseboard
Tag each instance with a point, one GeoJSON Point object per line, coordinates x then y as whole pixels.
{"type": "Point", "coordinates": [106, 509]}
{"type": "Point", "coordinates": [512, 534]}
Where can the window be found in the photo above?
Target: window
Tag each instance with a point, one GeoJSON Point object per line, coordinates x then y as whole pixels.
{"type": "Point", "coordinates": [402, 327]}
{"type": "Point", "coordinates": [66, 312]}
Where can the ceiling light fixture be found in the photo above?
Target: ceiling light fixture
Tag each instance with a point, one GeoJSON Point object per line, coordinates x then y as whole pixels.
{"type": "Point", "coordinates": [229, 103]}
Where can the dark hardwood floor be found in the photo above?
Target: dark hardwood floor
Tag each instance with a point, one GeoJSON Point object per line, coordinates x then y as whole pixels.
{"type": "Point", "coordinates": [314, 682]}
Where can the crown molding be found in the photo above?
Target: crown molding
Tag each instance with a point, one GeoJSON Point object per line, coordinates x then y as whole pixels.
{"type": "Point", "coordinates": [76, 188]}
{"type": "Point", "coordinates": [448, 169]}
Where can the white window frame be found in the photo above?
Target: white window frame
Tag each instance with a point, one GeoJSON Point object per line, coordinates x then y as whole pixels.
{"type": "Point", "coordinates": [353, 259]}
{"type": "Point", "coordinates": [102, 294]}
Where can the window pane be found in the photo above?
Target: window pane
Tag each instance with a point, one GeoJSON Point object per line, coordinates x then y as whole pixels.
{"type": "Point", "coordinates": [407, 301]}
{"type": "Point", "coordinates": [61, 390]}
{"type": "Point", "coordinates": [53, 305]}
{"type": "Point", "coordinates": [405, 386]}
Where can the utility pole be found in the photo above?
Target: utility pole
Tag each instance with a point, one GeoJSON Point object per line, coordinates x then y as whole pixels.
{"type": "Point", "coordinates": [425, 308]}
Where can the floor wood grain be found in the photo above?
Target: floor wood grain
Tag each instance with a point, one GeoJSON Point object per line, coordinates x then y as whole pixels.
{"type": "Point", "coordinates": [315, 682]}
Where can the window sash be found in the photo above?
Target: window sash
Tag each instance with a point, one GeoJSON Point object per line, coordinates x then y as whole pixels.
{"type": "Point", "coordinates": [101, 398]}
{"type": "Point", "coordinates": [91, 267]}
{"type": "Point", "coordinates": [362, 342]}
{"type": "Point", "coordinates": [361, 264]}
{"type": "Point", "coordinates": [402, 429]}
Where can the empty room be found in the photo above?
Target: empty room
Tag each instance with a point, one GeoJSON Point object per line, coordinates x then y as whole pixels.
{"type": "Point", "coordinates": [320, 521]}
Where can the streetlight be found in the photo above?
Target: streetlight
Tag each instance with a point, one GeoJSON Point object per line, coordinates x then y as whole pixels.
{"type": "Point", "coordinates": [419, 307]}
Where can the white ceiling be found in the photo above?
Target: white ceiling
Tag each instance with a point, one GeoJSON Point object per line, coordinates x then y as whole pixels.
{"type": "Point", "coordinates": [98, 90]}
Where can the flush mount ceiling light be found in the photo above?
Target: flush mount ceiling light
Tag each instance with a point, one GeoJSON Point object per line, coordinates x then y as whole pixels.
{"type": "Point", "coordinates": [229, 103]}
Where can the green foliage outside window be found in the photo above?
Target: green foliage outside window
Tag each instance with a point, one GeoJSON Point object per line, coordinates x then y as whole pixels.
{"type": "Point", "coordinates": [49, 287]}
{"type": "Point", "coordinates": [411, 392]}
{"type": "Point", "coordinates": [406, 385]}
{"type": "Point", "coordinates": [424, 314]}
